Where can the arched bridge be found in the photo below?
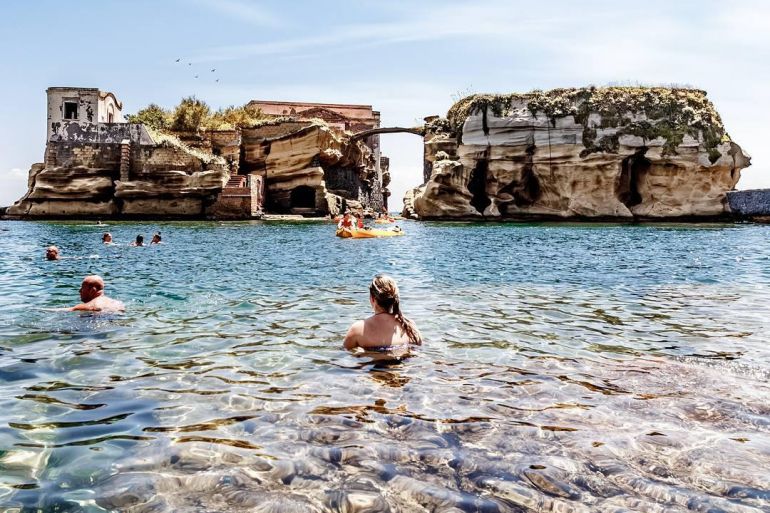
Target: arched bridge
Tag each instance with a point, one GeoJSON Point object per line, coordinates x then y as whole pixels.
{"type": "Point", "coordinates": [389, 130]}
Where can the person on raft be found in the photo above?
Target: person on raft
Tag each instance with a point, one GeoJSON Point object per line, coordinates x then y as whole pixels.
{"type": "Point", "coordinates": [387, 328]}
{"type": "Point", "coordinates": [346, 223]}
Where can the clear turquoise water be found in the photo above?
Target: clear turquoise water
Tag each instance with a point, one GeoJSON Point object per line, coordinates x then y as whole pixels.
{"type": "Point", "coordinates": [566, 368]}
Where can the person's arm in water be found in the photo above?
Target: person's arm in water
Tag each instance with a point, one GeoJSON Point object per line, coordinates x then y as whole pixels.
{"type": "Point", "coordinates": [84, 307]}
{"type": "Point", "coordinates": [353, 335]}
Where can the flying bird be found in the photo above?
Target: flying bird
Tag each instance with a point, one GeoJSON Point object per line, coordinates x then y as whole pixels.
{"type": "Point", "coordinates": [179, 59]}
{"type": "Point", "coordinates": [196, 76]}
{"type": "Point", "coordinates": [213, 70]}
{"type": "Point", "coordinates": [217, 80]}
{"type": "Point", "coordinates": [189, 63]}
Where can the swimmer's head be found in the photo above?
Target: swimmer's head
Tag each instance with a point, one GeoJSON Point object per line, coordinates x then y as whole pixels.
{"type": "Point", "coordinates": [155, 238]}
{"type": "Point", "coordinates": [384, 292]}
{"type": "Point", "coordinates": [52, 253]}
{"type": "Point", "coordinates": [139, 240]}
{"type": "Point", "coordinates": [91, 288]}
{"type": "Point", "coordinates": [106, 237]}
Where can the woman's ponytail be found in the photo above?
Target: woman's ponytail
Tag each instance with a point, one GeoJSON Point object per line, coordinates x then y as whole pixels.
{"type": "Point", "coordinates": [385, 293]}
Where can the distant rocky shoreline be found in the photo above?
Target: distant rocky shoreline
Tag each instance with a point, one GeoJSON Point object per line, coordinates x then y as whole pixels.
{"type": "Point", "coordinates": [623, 154]}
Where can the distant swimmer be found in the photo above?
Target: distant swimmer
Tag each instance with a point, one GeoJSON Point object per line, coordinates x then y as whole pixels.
{"type": "Point", "coordinates": [156, 238]}
{"type": "Point", "coordinates": [107, 238]}
{"type": "Point", "coordinates": [139, 241]}
{"type": "Point", "coordinates": [387, 328]}
{"type": "Point", "coordinates": [94, 300]}
{"type": "Point", "coordinates": [52, 253]}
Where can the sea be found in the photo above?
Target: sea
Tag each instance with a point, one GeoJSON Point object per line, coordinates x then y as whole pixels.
{"type": "Point", "coordinates": [565, 368]}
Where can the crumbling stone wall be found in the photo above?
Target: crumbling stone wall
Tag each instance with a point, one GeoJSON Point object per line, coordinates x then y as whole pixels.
{"type": "Point", "coordinates": [93, 155]}
{"type": "Point", "coordinates": [149, 160]}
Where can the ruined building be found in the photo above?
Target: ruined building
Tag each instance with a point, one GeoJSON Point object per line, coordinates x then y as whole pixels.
{"type": "Point", "coordinates": [305, 161]}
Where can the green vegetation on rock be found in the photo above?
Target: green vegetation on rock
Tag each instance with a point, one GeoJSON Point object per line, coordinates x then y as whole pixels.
{"type": "Point", "coordinates": [162, 138]}
{"type": "Point", "coordinates": [194, 115]}
{"type": "Point", "coordinates": [670, 113]}
{"type": "Point", "coordinates": [152, 116]}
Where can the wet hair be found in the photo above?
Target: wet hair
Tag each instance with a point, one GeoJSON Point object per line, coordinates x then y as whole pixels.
{"type": "Point", "coordinates": [105, 235]}
{"type": "Point", "coordinates": [385, 293]}
{"type": "Point", "coordinates": [157, 235]}
{"type": "Point", "coordinates": [140, 239]}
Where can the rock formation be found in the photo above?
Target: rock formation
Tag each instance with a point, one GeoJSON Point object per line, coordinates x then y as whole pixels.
{"type": "Point", "coordinates": [617, 152]}
{"type": "Point", "coordinates": [309, 165]}
{"type": "Point", "coordinates": [143, 176]}
{"type": "Point", "coordinates": [100, 170]}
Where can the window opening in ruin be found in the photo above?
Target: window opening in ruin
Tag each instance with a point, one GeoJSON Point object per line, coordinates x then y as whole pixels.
{"type": "Point", "coordinates": [70, 110]}
{"type": "Point", "coordinates": [303, 197]}
{"type": "Point", "coordinates": [478, 186]}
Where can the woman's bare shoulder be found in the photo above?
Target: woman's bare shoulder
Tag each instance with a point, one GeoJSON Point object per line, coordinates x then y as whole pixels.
{"type": "Point", "coordinates": [353, 337]}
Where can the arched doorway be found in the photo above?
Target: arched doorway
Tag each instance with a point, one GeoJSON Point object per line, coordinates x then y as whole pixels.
{"type": "Point", "coordinates": [302, 197]}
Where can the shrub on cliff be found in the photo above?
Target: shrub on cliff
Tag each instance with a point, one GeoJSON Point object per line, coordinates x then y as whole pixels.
{"type": "Point", "coordinates": [235, 117]}
{"type": "Point", "coordinates": [193, 115]}
{"type": "Point", "coordinates": [153, 116]}
{"type": "Point", "coordinates": [189, 115]}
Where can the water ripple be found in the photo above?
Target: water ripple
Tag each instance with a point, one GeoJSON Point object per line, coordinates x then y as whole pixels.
{"type": "Point", "coordinates": [568, 368]}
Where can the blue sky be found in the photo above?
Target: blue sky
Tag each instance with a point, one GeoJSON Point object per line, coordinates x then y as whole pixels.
{"type": "Point", "coordinates": [407, 59]}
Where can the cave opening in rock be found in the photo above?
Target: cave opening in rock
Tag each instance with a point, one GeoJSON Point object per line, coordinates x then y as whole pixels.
{"type": "Point", "coordinates": [631, 169]}
{"type": "Point", "coordinates": [302, 197]}
{"type": "Point", "coordinates": [477, 186]}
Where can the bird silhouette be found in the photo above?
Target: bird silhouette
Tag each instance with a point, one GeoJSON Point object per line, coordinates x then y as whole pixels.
{"type": "Point", "coordinates": [179, 59]}
{"type": "Point", "coordinates": [196, 76]}
{"type": "Point", "coordinates": [213, 70]}
{"type": "Point", "coordinates": [189, 63]}
{"type": "Point", "coordinates": [217, 80]}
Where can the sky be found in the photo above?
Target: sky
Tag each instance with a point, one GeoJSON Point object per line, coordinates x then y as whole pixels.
{"type": "Point", "coordinates": [407, 59]}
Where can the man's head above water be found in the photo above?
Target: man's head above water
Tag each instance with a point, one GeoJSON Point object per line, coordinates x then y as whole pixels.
{"type": "Point", "coordinates": [52, 253]}
{"type": "Point", "coordinates": [91, 288]}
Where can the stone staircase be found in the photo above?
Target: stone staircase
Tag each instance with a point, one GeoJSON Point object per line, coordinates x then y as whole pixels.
{"type": "Point", "coordinates": [236, 182]}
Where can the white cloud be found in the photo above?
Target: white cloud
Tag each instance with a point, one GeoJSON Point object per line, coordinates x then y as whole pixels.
{"type": "Point", "coordinates": [420, 23]}
{"type": "Point", "coordinates": [246, 12]}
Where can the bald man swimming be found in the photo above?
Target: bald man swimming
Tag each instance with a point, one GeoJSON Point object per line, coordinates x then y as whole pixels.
{"type": "Point", "coordinates": [94, 300]}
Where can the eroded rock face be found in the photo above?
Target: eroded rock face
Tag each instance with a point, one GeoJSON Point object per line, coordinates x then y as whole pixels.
{"type": "Point", "coordinates": [582, 153]}
{"type": "Point", "coordinates": [311, 167]}
{"type": "Point", "coordinates": [84, 180]}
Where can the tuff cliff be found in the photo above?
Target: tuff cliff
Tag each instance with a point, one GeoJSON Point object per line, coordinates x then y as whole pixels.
{"type": "Point", "coordinates": [310, 166]}
{"type": "Point", "coordinates": [102, 170]}
{"type": "Point", "coordinates": [615, 152]}
{"type": "Point", "coordinates": [131, 170]}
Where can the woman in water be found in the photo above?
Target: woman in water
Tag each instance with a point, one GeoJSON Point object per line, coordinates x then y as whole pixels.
{"type": "Point", "coordinates": [138, 242]}
{"type": "Point", "coordinates": [387, 328]}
